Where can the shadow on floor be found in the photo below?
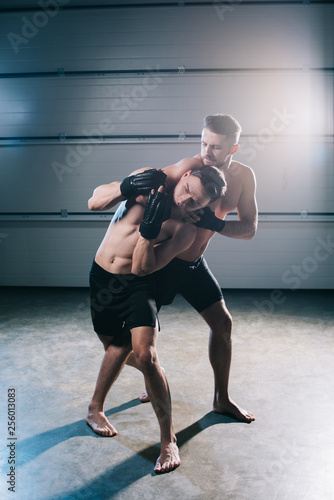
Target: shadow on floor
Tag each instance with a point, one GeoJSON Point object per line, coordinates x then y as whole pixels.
{"type": "Point", "coordinates": [122, 475]}
{"type": "Point", "coordinates": [34, 446]}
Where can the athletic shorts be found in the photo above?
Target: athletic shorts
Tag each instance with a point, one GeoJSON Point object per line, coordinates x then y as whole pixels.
{"type": "Point", "coordinates": [120, 302]}
{"type": "Point", "coordinates": [193, 280]}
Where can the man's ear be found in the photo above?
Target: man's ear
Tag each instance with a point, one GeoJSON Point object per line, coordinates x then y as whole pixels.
{"type": "Point", "coordinates": [234, 149]}
{"type": "Point", "coordinates": [187, 173]}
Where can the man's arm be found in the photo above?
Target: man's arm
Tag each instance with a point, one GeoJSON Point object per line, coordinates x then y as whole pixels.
{"type": "Point", "coordinates": [138, 184]}
{"type": "Point", "coordinates": [244, 228]}
{"type": "Point", "coordinates": [175, 172]}
{"type": "Point", "coordinates": [108, 195]}
{"type": "Point", "coordinates": [149, 256]}
{"type": "Point", "coordinates": [105, 197]}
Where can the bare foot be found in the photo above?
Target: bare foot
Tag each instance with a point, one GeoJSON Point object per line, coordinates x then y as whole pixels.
{"type": "Point", "coordinates": [144, 397]}
{"type": "Point", "coordinates": [99, 423]}
{"type": "Point", "coordinates": [230, 408]}
{"type": "Point", "coordinates": [168, 460]}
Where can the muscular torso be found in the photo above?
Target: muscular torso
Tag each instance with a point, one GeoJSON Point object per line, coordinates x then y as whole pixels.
{"type": "Point", "coordinates": [226, 204]}
{"type": "Point", "coordinates": [116, 250]}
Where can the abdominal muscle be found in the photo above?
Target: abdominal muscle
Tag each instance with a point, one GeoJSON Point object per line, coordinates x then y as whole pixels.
{"type": "Point", "coordinates": [115, 252]}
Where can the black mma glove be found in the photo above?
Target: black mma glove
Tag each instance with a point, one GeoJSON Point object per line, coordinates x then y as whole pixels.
{"type": "Point", "coordinates": [142, 183]}
{"type": "Point", "coordinates": [157, 210]}
{"type": "Point", "coordinates": [209, 221]}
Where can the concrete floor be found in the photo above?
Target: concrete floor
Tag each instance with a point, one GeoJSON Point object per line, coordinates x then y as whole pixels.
{"type": "Point", "coordinates": [282, 371]}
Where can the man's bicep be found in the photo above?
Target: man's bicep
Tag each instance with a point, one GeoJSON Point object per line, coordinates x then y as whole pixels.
{"type": "Point", "coordinates": [247, 206]}
{"type": "Point", "coordinates": [176, 171]}
{"type": "Point", "coordinates": [105, 197]}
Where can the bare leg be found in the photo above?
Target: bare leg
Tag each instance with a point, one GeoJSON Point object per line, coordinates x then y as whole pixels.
{"type": "Point", "coordinates": [111, 367]}
{"type": "Point", "coordinates": [131, 361]}
{"type": "Point", "coordinates": [220, 352]}
{"type": "Point", "coordinates": [144, 348]}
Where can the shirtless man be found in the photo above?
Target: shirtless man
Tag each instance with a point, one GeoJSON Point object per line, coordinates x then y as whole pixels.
{"type": "Point", "coordinates": [188, 273]}
{"type": "Point", "coordinates": [138, 242]}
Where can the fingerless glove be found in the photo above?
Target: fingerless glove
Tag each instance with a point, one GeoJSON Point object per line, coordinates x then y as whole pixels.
{"type": "Point", "coordinates": [142, 183]}
{"type": "Point", "coordinates": [209, 221]}
{"type": "Point", "coordinates": [157, 210]}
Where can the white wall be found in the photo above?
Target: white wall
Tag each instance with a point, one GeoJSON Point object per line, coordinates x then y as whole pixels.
{"type": "Point", "coordinates": [142, 80]}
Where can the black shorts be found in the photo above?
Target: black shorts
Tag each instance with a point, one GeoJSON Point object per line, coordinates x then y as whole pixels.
{"type": "Point", "coordinates": [193, 280]}
{"type": "Point", "coordinates": [120, 302]}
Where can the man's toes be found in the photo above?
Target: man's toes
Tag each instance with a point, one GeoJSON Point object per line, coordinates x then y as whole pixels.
{"type": "Point", "coordinates": [144, 397]}
{"type": "Point", "coordinates": [103, 431]}
{"type": "Point", "coordinates": [249, 416]}
{"type": "Point", "coordinates": [166, 467]}
{"type": "Point", "coordinates": [175, 464]}
{"type": "Point", "coordinates": [169, 466]}
{"type": "Point", "coordinates": [157, 467]}
{"type": "Point", "coordinates": [109, 432]}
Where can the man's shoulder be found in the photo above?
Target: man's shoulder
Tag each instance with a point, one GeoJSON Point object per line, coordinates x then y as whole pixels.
{"type": "Point", "coordinates": [176, 171]}
{"type": "Point", "coordinates": [245, 171]}
{"type": "Point", "coordinates": [190, 162]}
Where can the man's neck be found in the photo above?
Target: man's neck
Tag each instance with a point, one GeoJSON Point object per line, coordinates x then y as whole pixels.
{"type": "Point", "coordinates": [176, 213]}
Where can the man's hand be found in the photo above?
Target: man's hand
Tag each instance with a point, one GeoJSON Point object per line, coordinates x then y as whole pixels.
{"type": "Point", "coordinates": [157, 210]}
{"type": "Point", "coordinates": [142, 183]}
{"type": "Point", "coordinates": [194, 216]}
{"type": "Point", "coordinates": [208, 220]}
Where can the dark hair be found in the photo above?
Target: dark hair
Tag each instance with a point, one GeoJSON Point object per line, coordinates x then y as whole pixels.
{"type": "Point", "coordinates": [223, 125]}
{"type": "Point", "coordinates": [213, 181]}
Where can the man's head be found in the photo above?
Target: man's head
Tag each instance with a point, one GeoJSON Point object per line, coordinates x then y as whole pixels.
{"type": "Point", "coordinates": [220, 136]}
{"type": "Point", "coordinates": [199, 188]}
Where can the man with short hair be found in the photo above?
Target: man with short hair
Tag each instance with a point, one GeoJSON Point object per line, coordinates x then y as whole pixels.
{"type": "Point", "coordinates": [139, 241]}
{"type": "Point", "coordinates": [189, 274]}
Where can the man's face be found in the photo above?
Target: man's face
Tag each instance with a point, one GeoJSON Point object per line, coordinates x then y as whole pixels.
{"type": "Point", "coordinates": [214, 148]}
{"type": "Point", "coordinates": [189, 193]}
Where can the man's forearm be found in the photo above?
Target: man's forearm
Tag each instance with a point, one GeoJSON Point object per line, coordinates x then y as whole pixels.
{"type": "Point", "coordinates": [105, 197]}
{"type": "Point", "coordinates": [143, 258]}
{"type": "Point", "coordinates": [240, 229]}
